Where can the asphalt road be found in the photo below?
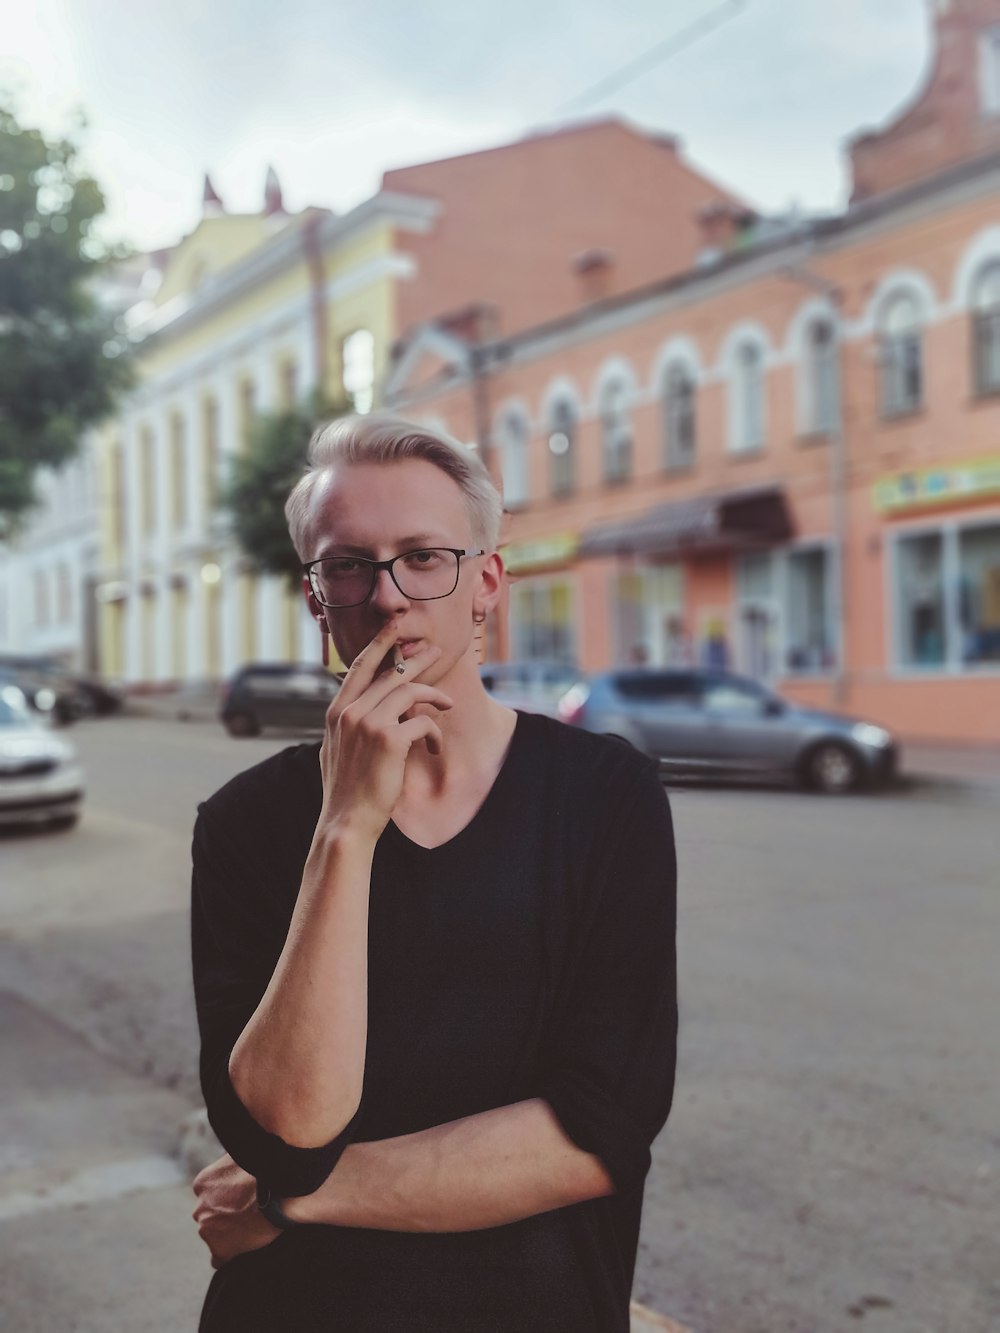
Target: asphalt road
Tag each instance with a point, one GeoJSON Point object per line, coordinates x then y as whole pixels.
{"type": "Point", "coordinates": [833, 1156]}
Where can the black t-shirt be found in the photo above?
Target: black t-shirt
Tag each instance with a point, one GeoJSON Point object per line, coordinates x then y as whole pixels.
{"type": "Point", "coordinates": [532, 955]}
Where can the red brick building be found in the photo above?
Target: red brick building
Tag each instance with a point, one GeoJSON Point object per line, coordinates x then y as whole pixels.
{"type": "Point", "coordinates": [785, 454]}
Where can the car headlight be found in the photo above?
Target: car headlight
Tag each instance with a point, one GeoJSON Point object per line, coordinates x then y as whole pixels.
{"type": "Point", "coordinates": [865, 734]}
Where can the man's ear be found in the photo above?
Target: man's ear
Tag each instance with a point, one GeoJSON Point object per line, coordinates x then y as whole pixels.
{"type": "Point", "coordinates": [490, 588]}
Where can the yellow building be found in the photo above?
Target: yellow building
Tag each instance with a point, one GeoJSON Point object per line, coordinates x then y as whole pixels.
{"type": "Point", "coordinates": [250, 313]}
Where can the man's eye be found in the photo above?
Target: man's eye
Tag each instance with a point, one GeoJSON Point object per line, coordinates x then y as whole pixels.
{"type": "Point", "coordinates": [421, 559]}
{"type": "Point", "coordinates": [344, 566]}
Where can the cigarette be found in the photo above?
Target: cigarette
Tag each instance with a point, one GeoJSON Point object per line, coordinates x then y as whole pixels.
{"type": "Point", "coordinates": [397, 657]}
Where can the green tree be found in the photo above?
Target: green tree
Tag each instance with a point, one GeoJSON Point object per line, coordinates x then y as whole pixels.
{"type": "Point", "coordinates": [63, 354]}
{"type": "Point", "coordinates": [260, 478]}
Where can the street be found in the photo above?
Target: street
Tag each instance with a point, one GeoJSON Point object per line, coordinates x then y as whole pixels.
{"type": "Point", "coordinates": [833, 1156]}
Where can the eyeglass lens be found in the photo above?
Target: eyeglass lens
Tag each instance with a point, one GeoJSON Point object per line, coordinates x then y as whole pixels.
{"type": "Point", "coordinates": [419, 575]}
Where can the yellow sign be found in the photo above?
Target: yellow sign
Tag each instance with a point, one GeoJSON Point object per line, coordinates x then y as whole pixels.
{"type": "Point", "coordinates": [520, 557]}
{"type": "Point", "coordinates": [938, 485]}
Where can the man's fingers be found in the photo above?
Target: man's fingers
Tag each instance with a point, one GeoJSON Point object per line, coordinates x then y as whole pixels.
{"type": "Point", "coordinates": [362, 670]}
{"type": "Point", "coordinates": [401, 699]}
{"type": "Point", "coordinates": [425, 729]}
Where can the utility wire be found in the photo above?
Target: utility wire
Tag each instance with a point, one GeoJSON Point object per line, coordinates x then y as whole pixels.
{"type": "Point", "coordinates": [656, 55]}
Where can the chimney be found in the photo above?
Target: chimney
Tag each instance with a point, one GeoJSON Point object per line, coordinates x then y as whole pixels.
{"type": "Point", "coordinates": [594, 270]}
{"type": "Point", "coordinates": [475, 323]}
{"type": "Point", "coordinates": [721, 226]}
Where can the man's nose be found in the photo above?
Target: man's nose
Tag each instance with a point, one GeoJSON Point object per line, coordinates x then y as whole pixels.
{"type": "Point", "coordinates": [386, 597]}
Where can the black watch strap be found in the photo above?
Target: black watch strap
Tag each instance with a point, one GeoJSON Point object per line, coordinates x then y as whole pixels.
{"type": "Point", "coordinates": [271, 1209]}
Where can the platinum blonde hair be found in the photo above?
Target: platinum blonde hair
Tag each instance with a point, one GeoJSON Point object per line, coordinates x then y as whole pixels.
{"type": "Point", "coordinates": [383, 439]}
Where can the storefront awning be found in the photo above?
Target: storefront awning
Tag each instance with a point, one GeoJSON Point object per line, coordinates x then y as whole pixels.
{"type": "Point", "coordinates": [735, 521]}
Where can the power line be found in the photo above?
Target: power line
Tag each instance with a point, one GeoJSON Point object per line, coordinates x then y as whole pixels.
{"type": "Point", "coordinates": [656, 55]}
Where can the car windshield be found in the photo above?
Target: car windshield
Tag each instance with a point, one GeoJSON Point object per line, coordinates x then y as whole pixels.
{"type": "Point", "coordinates": [13, 709]}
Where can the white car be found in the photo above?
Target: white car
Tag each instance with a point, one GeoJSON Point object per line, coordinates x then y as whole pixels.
{"type": "Point", "coordinates": [40, 778]}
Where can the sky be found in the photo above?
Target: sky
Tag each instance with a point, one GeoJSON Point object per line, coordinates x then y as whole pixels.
{"type": "Point", "coordinates": [332, 96]}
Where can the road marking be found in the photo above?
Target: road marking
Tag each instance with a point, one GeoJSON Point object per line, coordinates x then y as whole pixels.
{"type": "Point", "coordinates": [95, 1185]}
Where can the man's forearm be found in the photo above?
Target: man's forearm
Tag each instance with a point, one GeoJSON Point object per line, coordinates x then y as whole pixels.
{"type": "Point", "coordinates": [483, 1171]}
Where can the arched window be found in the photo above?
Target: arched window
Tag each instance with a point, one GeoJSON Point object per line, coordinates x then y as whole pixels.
{"type": "Point", "coordinates": [986, 329]}
{"type": "Point", "coordinates": [562, 447]}
{"type": "Point", "coordinates": [901, 356]}
{"type": "Point", "coordinates": [748, 397]}
{"type": "Point", "coordinates": [616, 431]}
{"type": "Point", "coordinates": [513, 441]}
{"type": "Point", "coordinates": [679, 416]}
{"type": "Point", "coordinates": [822, 381]}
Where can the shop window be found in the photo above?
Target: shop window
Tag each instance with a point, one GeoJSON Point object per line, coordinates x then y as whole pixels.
{"type": "Point", "coordinates": [901, 356]}
{"type": "Point", "coordinates": [358, 355]}
{"type": "Point", "coordinates": [562, 447]}
{"type": "Point", "coordinates": [920, 600]}
{"type": "Point", "coordinates": [986, 330]}
{"type": "Point", "coordinates": [679, 417]}
{"type": "Point", "coordinates": [809, 628]}
{"type": "Point", "coordinates": [822, 388]}
{"type": "Point", "coordinates": [616, 431]}
{"type": "Point", "coordinates": [513, 441]}
{"type": "Point", "coordinates": [979, 594]}
{"type": "Point", "coordinates": [541, 620]}
{"type": "Point", "coordinates": [748, 398]}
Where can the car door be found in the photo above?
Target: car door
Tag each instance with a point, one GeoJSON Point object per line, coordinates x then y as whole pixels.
{"type": "Point", "coordinates": [309, 692]}
{"type": "Point", "coordinates": [744, 728]}
{"type": "Point", "coordinates": [662, 708]}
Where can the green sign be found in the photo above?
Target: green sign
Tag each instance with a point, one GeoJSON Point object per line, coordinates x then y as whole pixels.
{"type": "Point", "coordinates": [520, 557]}
{"type": "Point", "coordinates": [938, 485]}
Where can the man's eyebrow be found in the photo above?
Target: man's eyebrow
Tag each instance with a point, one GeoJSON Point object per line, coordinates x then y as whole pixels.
{"type": "Point", "coordinates": [413, 543]}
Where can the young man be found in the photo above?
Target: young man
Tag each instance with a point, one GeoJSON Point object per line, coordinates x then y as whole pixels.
{"type": "Point", "coordinates": [434, 955]}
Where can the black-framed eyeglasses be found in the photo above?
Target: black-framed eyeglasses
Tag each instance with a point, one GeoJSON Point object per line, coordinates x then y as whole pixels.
{"type": "Point", "coordinates": [339, 581]}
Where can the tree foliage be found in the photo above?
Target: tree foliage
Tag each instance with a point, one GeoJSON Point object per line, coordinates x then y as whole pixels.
{"type": "Point", "coordinates": [63, 355]}
{"type": "Point", "coordinates": [260, 479]}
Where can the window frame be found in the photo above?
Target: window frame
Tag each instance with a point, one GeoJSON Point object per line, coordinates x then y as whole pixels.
{"type": "Point", "coordinates": [893, 348]}
{"type": "Point", "coordinates": [676, 458]}
{"type": "Point", "coordinates": [613, 473]}
{"type": "Point", "coordinates": [570, 428]}
{"type": "Point", "coordinates": [950, 530]}
{"type": "Point", "coordinates": [981, 318]}
{"type": "Point", "coordinates": [741, 441]}
{"type": "Point", "coordinates": [513, 437]}
{"type": "Point", "coordinates": [814, 425]}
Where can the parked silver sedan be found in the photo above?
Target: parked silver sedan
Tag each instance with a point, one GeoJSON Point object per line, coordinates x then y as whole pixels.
{"type": "Point", "coordinates": [40, 778]}
{"type": "Point", "coordinates": [705, 722]}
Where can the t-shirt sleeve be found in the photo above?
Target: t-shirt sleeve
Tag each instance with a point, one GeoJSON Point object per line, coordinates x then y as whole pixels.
{"type": "Point", "coordinates": [236, 937]}
{"type": "Point", "coordinates": [611, 1059]}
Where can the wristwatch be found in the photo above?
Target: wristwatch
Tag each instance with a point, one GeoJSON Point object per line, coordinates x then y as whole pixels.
{"type": "Point", "coordinates": [271, 1209]}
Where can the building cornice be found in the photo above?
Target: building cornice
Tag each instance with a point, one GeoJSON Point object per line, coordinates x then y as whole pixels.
{"type": "Point", "coordinates": [284, 252]}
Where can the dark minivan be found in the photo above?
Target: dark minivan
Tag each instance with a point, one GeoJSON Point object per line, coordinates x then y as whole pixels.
{"type": "Point", "coordinates": [291, 695]}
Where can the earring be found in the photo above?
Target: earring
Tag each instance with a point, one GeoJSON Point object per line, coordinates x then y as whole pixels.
{"type": "Point", "coordinates": [480, 619]}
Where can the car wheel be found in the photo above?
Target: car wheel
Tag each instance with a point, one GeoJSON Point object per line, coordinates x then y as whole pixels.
{"type": "Point", "coordinates": [832, 768]}
{"type": "Point", "coordinates": [242, 725]}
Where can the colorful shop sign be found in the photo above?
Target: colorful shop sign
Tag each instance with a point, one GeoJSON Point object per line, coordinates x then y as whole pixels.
{"type": "Point", "coordinates": [938, 485]}
{"type": "Point", "coordinates": [543, 553]}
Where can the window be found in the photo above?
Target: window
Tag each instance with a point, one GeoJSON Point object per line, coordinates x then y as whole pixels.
{"type": "Point", "coordinates": [989, 72]}
{"type": "Point", "coordinates": [42, 609]}
{"type": "Point", "coordinates": [119, 502]}
{"type": "Point", "coordinates": [359, 369]}
{"type": "Point", "coordinates": [679, 417]}
{"type": "Point", "coordinates": [901, 356]}
{"type": "Point", "coordinates": [147, 481]}
{"type": "Point", "coordinates": [64, 594]}
{"type": "Point", "coordinates": [210, 450]}
{"type": "Point", "coordinates": [920, 601]}
{"type": "Point", "coordinates": [178, 473]}
{"type": "Point", "coordinates": [247, 409]}
{"type": "Point", "coordinates": [541, 619]}
{"type": "Point", "coordinates": [822, 389]}
{"type": "Point", "coordinates": [979, 594]}
{"type": "Point", "coordinates": [562, 445]}
{"type": "Point", "coordinates": [678, 689]}
{"type": "Point", "coordinates": [809, 628]}
{"type": "Point", "coordinates": [514, 431]}
{"type": "Point", "coordinates": [734, 698]}
{"type": "Point", "coordinates": [616, 432]}
{"type": "Point", "coordinates": [986, 330]}
{"type": "Point", "coordinates": [748, 397]}
{"type": "Point", "coordinates": [288, 384]}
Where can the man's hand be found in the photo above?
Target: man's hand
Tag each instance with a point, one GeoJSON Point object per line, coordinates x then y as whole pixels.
{"type": "Point", "coordinates": [229, 1221]}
